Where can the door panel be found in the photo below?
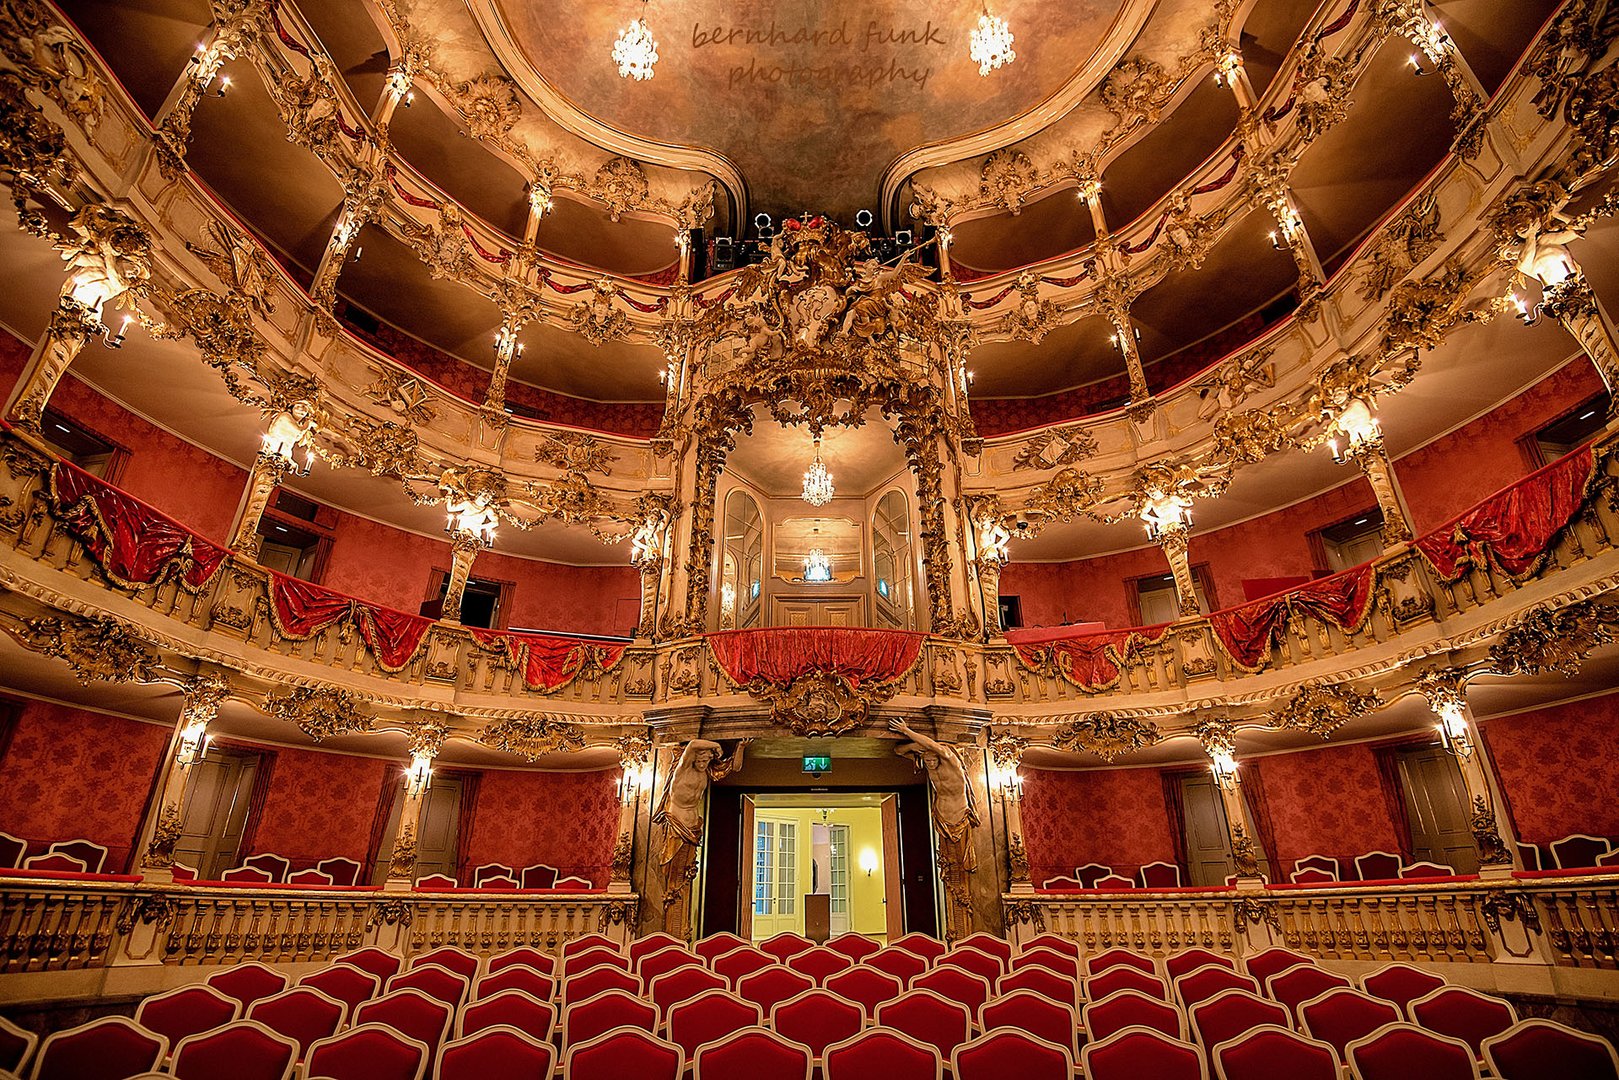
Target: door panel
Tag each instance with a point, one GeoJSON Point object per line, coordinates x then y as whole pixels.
{"type": "Point", "coordinates": [437, 831]}
{"type": "Point", "coordinates": [1208, 844]}
{"type": "Point", "coordinates": [218, 793]}
{"type": "Point", "coordinates": [828, 611]}
{"type": "Point", "coordinates": [1436, 803]}
{"type": "Point", "coordinates": [777, 875]}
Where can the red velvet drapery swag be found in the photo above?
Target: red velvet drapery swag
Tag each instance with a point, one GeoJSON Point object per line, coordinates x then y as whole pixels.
{"type": "Point", "coordinates": [781, 654]}
{"type": "Point", "coordinates": [1091, 661]}
{"type": "Point", "coordinates": [549, 661]}
{"type": "Point", "coordinates": [1246, 632]}
{"type": "Point", "coordinates": [134, 545]}
{"type": "Point", "coordinates": [301, 610]}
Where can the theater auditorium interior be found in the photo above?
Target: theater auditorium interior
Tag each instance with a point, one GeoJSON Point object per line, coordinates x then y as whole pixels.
{"type": "Point", "coordinates": [680, 538]}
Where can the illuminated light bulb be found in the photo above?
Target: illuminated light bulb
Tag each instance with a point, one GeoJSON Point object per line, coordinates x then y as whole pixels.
{"type": "Point", "coordinates": [636, 51]}
{"type": "Point", "coordinates": [990, 44]}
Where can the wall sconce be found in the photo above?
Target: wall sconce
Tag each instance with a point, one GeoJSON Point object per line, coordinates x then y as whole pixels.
{"type": "Point", "coordinates": [1162, 514]}
{"type": "Point", "coordinates": [419, 777]}
{"type": "Point", "coordinates": [1089, 191]}
{"type": "Point", "coordinates": [193, 744]}
{"type": "Point", "coordinates": [116, 341]}
{"type": "Point", "coordinates": [506, 342]}
{"type": "Point", "coordinates": [868, 861]}
{"type": "Point", "coordinates": [1008, 780]}
{"type": "Point", "coordinates": [399, 85]}
{"type": "Point", "coordinates": [1454, 733]}
{"type": "Point", "coordinates": [1227, 68]}
{"type": "Point", "coordinates": [1358, 426]}
{"type": "Point", "coordinates": [1224, 767]}
{"type": "Point", "coordinates": [632, 778]}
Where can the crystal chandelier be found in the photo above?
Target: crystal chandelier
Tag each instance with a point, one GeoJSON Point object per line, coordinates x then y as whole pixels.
{"type": "Point", "coordinates": [817, 481]}
{"type": "Point", "coordinates": [990, 44]}
{"type": "Point", "coordinates": [816, 566]}
{"type": "Point", "coordinates": [636, 50]}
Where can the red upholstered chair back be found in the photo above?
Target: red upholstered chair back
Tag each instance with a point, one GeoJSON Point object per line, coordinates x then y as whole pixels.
{"type": "Point", "coordinates": [409, 1012]}
{"type": "Point", "coordinates": [522, 956]}
{"type": "Point", "coordinates": [879, 1052]}
{"type": "Point", "coordinates": [1339, 1017]}
{"type": "Point", "coordinates": [379, 962]}
{"type": "Point", "coordinates": [94, 856]}
{"type": "Point", "coordinates": [1227, 1015]}
{"type": "Point", "coordinates": [1401, 1051]}
{"type": "Point", "coordinates": [903, 964]}
{"type": "Point", "coordinates": [1050, 959]}
{"type": "Point", "coordinates": [750, 1054]}
{"type": "Point", "coordinates": [497, 1053]}
{"type": "Point", "coordinates": [817, 1019]}
{"type": "Point", "coordinates": [866, 987]}
{"type": "Point", "coordinates": [1401, 984]}
{"type": "Point", "coordinates": [671, 988]}
{"type": "Point", "coordinates": [1297, 985]}
{"type": "Point", "coordinates": [1274, 1053]}
{"type": "Point", "coordinates": [459, 961]}
{"type": "Point", "coordinates": [16, 1046]}
{"type": "Point", "coordinates": [927, 947]}
{"type": "Point", "coordinates": [716, 945]}
{"type": "Point", "coordinates": [1159, 875]}
{"type": "Point", "coordinates": [509, 1008]}
{"type": "Point", "coordinates": [579, 987]}
{"type": "Point", "coordinates": [651, 943]}
{"type": "Point", "coordinates": [57, 862]}
{"type": "Point", "coordinates": [12, 850]}
{"type": "Point", "coordinates": [1055, 943]}
{"type": "Point", "coordinates": [1204, 983]}
{"type": "Point", "coordinates": [709, 1016]}
{"type": "Point", "coordinates": [1089, 874]}
{"type": "Point", "coordinates": [739, 962]}
{"type": "Point", "coordinates": [1125, 977]}
{"type": "Point", "coordinates": [770, 985]}
{"type": "Point", "coordinates": [434, 981]}
{"type": "Point", "coordinates": [181, 1013]}
{"type": "Point", "coordinates": [997, 947]}
{"type": "Point", "coordinates": [1006, 1053]}
{"type": "Point", "coordinates": [515, 977]}
{"type": "Point", "coordinates": [1130, 1008]}
{"type": "Point", "coordinates": [107, 1049]}
{"type": "Point", "coordinates": [368, 1052]}
{"type": "Point", "coordinates": [247, 982]}
{"type": "Point", "coordinates": [1571, 852]}
{"type": "Point", "coordinates": [1062, 989]}
{"type": "Point", "coordinates": [243, 1050]}
{"type": "Point", "coordinates": [1311, 875]}
{"type": "Point", "coordinates": [588, 941]}
{"type": "Point", "coordinates": [1113, 958]}
{"type": "Point", "coordinates": [925, 1016]}
{"type": "Point", "coordinates": [609, 1009]}
{"type": "Point", "coordinates": [1263, 965]}
{"type": "Point", "coordinates": [957, 984]}
{"type": "Point", "coordinates": [1377, 866]}
{"type": "Point", "coordinates": [1135, 1053]}
{"type": "Point", "coordinates": [786, 944]}
{"type": "Point", "coordinates": [1035, 1014]}
{"type": "Point", "coordinates": [343, 871]}
{"type": "Point", "coordinates": [1463, 1014]}
{"type": "Point", "coordinates": [497, 874]}
{"type": "Point", "coordinates": [1325, 864]}
{"type": "Point", "coordinates": [436, 883]}
{"type": "Point", "coordinates": [538, 876]}
{"type": "Point", "coordinates": [302, 1014]}
{"type": "Point", "coordinates": [310, 876]}
{"type": "Point", "coordinates": [1189, 960]}
{"type": "Point", "coordinates": [1540, 1049]}
{"type": "Point", "coordinates": [980, 963]}
{"type": "Point", "coordinates": [819, 963]}
{"type": "Point", "coordinates": [626, 1052]}
{"type": "Point", "coordinates": [855, 946]}
{"type": "Point", "coordinates": [589, 959]}
{"type": "Point", "coordinates": [345, 983]}
{"type": "Point", "coordinates": [650, 965]}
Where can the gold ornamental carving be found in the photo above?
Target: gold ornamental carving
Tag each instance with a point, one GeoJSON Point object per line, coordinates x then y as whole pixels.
{"type": "Point", "coordinates": [405, 395]}
{"type": "Point", "coordinates": [1107, 735]}
{"type": "Point", "coordinates": [489, 104]}
{"type": "Point", "coordinates": [1055, 448]}
{"type": "Point", "coordinates": [96, 648]}
{"type": "Point", "coordinates": [1548, 640]}
{"type": "Point", "coordinates": [32, 149]}
{"type": "Point", "coordinates": [1492, 850]}
{"type": "Point", "coordinates": [597, 317]}
{"type": "Point", "coordinates": [1321, 710]}
{"type": "Point", "coordinates": [575, 452]}
{"type": "Point", "coordinates": [532, 737]}
{"type": "Point", "coordinates": [821, 702]}
{"type": "Point", "coordinates": [319, 712]}
{"type": "Point", "coordinates": [1406, 242]}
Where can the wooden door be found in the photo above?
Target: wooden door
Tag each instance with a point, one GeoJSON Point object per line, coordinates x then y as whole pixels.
{"type": "Point", "coordinates": [1436, 803]}
{"type": "Point", "coordinates": [776, 875]}
{"type": "Point", "coordinates": [818, 611]}
{"type": "Point", "coordinates": [218, 793]}
{"type": "Point", "coordinates": [1208, 843]}
{"type": "Point", "coordinates": [437, 831]}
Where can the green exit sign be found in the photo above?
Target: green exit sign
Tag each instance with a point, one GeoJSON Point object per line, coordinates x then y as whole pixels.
{"type": "Point", "coordinates": [817, 763]}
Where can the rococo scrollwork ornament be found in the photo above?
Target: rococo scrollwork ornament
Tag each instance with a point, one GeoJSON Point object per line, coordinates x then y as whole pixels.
{"type": "Point", "coordinates": [1323, 709]}
{"type": "Point", "coordinates": [1107, 735]}
{"type": "Point", "coordinates": [532, 737]}
{"type": "Point", "coordinates": [1548, 640]}
{"type": "Point", "coordinates": [321, 712]}
{"type": "Point", "coordinates": [95, 648]}
{"type": "Point", "coordinates": [822, 702]}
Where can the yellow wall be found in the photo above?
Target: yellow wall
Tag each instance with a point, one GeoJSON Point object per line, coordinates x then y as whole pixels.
{"type": "Point", "coordinates": [867, 913]}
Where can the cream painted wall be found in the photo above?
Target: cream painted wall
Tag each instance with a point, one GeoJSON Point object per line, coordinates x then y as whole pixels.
{"type": "Point", "coordinates": [867, 913]}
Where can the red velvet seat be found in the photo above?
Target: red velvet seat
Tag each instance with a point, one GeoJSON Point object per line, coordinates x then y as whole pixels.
{"type": "Point", "coordinates": [1119, 958]}
{"type": "Point", "coordinates": [866, 987]}
{"type": "Point", "coordinates": [243, 1050]}
{"type": "Point", "coordinates": [515, 977]}
{"type": "Point", "coordinates": [1263, 965]}
{"type": "Point", "coordinates": [997, 947]}
{"type": "Point", "coordinates": [1403, 1051]}
{"type": "Point", "coordinates": [1463, 1014]}
{"type": "Point", "coordinates": [903, 964]}
{"type": "Point", "coordinates": [1138, 1053]}
{"type": "Point", "coordinates": [1006, 1053]}
{"type": "Point", "coordinates": [1054, 942]}
{"type": "Point", "coordinates": [1305, 982]}
{"type": "Point", "coordinates": [1547, 1050]}
{"type": "Point", "coordinates": [1131, 1008]}
{"type": "Point", "coordinates": [1126, 977]}
{"type": "Point", "coordinates": [929, 1018]}
{"type": "Point", "coordinates": [345, 983]}
{"type": "Point", "coordinates": [584, 1020]}
{"type": "Point", "coordinates": [302, 1014]}
{"type": "Point", "coordinates": [1340, 1017]}
{"type": "Point", "coordinates": [739, 962]}
{"type": "Point", "coordinates": [1576, 850]}
{"type": "Point", "coordinates": [368, 1052]}
{"type": "Point", "coordinates": [1034, 1014]}
{"type": "Point", "coordinates": [673, 987]}
{"type": "Point", "coordinates": [379, 962]}
{"type": "Point", "coordinates": [817, 1019]}
{"type": "Point", "coordinates": [1227, 1015]}
{"type": "Point", "coordinates": [923, 945]}
{"type": "Point", "coordinates": [16, 1046]}
{"type": "Point", "coordinates": [785, 944]}
{"type": "Point", "coordinates": [650, 965]}
{"type": "Point", "coordinates": [247, 982]}
{"type": "Point", "coordinates": [649, 944]}
{"type": "Point", "coordinates": [1062, 989]}
{"type": "Point", "coordinates": [586, 942]}
{"type": "Point", "coordinates": [496, 1053]}
{"type": "Point", "coordinates": [111, 1048]}
{"type": "Point", "coordinates": [588, 959]}
{"type": "Point", "coordinates": [1400, 983]}
{"type": "Point", "coordinates": [770, 985]}
{"type": "Point", "coordinates": [855, 946]}
{"type": "Point", "coordinates": [522, 956]}
{"type": "Point", "coordinates": [595, 981]}
{"type": "Point", "coordinates": [509, 1008]}
{"type": "Point", "coordinates": [1204, 983]}
{"type": "Point", "coordinates": [819, 963]}
{"type": "Point", "coordinates": [1275, 1053]}
{"type": "Point", "coordinates": [190, 1010]}
{"type": "Point", "coordinates": [626, 1052]}
{"type": "Point", "coordinates": [439, 983]}
{"type": "Point", "coordinates": [459, 961]}
{"type": "Point", "coordinates": [750, 1054]}
{"type": "Point", "coordinates": [980, 963]}
{"type": "Point", "coordinates": [1189, 960]}
{"type": "Point", "coordinates": [714, 946]}
{"type": "Point", "coordinates": [881, 1053]}
{"type": "Point", "coordinates": [1061, 963]}
{"type": "Point", "coordinates": [957, 984]}
{"type": "Point", "coordinates": [411, 1013]}
{"type": "Point", "coordinates": [709, 1016]}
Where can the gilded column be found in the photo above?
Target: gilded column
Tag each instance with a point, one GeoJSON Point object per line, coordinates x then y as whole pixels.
{"type": "Point", "coordinates": [1446, 692]}
{"type": "Point", "coordinates": [425, 743]}
{"type": "Point", "coordinates": [649, 555]}
{"type": "Point", "coordinates": [203, 696]}
{"type": "Point", "coordinates": [463, 550]}
{"type": "Point", "coordinates": [1219, 742]}
{"type": "Point", "coordinates": [291, 429]}
{"type": "Point", "coordinates": [634, 762]}
{"type": "Point", "coordinates": [992, 555]}
{"type": "Point", "coordinates": [1175, 542]}
{"type": "Point", "coordinates": [1006, 753]}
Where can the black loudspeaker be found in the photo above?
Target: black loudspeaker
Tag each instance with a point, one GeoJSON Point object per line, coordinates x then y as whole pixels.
{"type": "Point", "coordinates": [724, 254]}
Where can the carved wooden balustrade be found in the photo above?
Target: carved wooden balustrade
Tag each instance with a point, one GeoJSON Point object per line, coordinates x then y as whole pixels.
{"type": "Point", "coordinates": [62, 926]}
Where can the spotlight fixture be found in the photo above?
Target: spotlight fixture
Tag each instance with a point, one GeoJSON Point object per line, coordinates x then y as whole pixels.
{"type": "Point", "coordinates": [762, 222]}
{"type": "Point", "coordinates": [863, 219]}
{"type": "Point", "coordinates": [636, 50]}
{"type": "Point", "coordinates": [818, 488]}
{"type": "Point", "coordinates": [990, 44]}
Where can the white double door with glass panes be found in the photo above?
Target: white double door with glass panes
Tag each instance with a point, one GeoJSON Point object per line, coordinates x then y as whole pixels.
{"type": "Point", "coordinates": [787, 864]}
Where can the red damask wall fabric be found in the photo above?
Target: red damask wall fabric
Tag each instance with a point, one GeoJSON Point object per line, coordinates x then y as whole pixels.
{"type": "Point", "coordinates": [1557, 767]}
{"type": "Point", "coordinates": [1324, 802]}
{"type": "Point", "coordinates": [568, 820]}
{"type": "Point", "coordinates": [320, 804]}
{"type": "Point", "coordinates": [69, 773]}
{"type": "Point", "coordinates": [1112, 816]}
